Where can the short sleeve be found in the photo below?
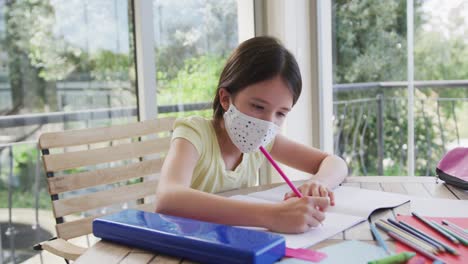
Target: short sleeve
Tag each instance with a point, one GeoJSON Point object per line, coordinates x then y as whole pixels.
{"type": "Point", "coordinates": [189, 129]}
{"type": "Point", "coordinates": [269, 147]}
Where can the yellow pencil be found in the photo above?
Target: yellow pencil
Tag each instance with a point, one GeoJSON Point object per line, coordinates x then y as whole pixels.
{"type": "Point", "coordinates": [414, 246]}
{"type": "Point", "coordinates": [382, 224]}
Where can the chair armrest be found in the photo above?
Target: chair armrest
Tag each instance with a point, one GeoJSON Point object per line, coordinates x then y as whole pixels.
{"type": "Point", "coordinates": [63, 248]}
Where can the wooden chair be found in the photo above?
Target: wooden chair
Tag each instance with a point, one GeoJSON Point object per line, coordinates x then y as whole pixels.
{"type": "Point", "coordinates": [70, 172]}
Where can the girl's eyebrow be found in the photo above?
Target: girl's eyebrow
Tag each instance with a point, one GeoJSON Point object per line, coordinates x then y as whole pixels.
{"type": "Point", "coordinates": [266, 102]}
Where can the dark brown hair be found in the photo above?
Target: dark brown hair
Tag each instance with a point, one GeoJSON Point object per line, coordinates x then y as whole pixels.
{"type": "Point", "coordinates": [255, 60]}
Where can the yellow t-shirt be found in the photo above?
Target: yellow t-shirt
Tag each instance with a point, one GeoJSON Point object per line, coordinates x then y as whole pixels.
{"type": "Point", "coordinates": [210, 174]}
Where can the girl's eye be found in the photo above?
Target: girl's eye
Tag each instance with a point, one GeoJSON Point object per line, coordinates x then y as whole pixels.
{"type": "Point", "coordinates": [257, 107]}
{"type": "Point", "coordinates": [281, 114]}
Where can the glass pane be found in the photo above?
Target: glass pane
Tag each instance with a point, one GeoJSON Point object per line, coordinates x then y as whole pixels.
{"type": "Point", "coordinates": [63, 65]}
{"type": "Point", "coordinates": [441, 104]}
{"type": "Point", "coordinates": [192, 41]}
{"type": "Point", "coordinates": [369, 63]}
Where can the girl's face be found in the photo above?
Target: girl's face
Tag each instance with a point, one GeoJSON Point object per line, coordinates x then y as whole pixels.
{"type": "Point", "coordinates": [268, 100]}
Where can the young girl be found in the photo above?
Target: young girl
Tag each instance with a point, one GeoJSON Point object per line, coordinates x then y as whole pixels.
{"type": "Point", "coordinates": [259, 85]}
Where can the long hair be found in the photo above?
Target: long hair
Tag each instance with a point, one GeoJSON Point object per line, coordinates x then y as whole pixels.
{"type": "Point", "coordinates": [255, 60]}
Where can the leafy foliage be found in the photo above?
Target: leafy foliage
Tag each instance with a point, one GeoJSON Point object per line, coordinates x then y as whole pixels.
{"type": "Point", "coordinates": [370, 46]}
{"type": "Point", "coordinates": [196, 81]}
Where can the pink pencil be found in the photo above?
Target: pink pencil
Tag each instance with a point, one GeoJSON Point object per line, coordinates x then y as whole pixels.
{"type": "Point", "coordinates": [286, 179]}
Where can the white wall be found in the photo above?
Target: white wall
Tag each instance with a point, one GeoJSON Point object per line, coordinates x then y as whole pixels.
{"type": "Point", "coordinates": [144, 38]}
{"type": "Point", "coordinates": [245, 19]}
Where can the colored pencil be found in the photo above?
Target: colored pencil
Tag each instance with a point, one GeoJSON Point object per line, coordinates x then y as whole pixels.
{"type": "Point", "coordinates": [455, 235]}
{"type": "Point", "coordinates": [447, 247]}
{"type": "Point", "coordinates": [380, 239]}
{"type": "Point", "coordinates": [413, 246]}
{"type": "Point", "coordinates": [402, 257]}
{"type": "Point", "coordinates": [434, 244]}
{"type": "Point", "coordinates": [389, 228]}
{"type": "Point", "coordinates": [422, 219]}
{"type": "Point", "coordinates": [423, 243]}
{"type": "Point", "coordinates": [280, 171]}
{"type": "Point", "coordinates": [456, 231]}
{"type": "Point", "coordinates": [461, 230]}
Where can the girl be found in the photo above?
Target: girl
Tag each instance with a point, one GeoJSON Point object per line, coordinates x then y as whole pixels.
{"type": "Point", "coordinates": [259, 85]}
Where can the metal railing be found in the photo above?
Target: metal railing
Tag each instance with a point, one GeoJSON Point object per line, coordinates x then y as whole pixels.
{"type": "Point", "coordinates": [94, 114]}
{"type": "Point", "coordinates": [352, 118]}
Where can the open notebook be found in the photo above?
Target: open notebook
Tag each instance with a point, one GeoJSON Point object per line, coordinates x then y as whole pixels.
{"type": "Point", "coordinates": [353, 205]}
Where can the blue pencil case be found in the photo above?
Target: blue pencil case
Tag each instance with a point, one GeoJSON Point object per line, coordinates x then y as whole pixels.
{"type": "Point", "coordinates": [200, 241]}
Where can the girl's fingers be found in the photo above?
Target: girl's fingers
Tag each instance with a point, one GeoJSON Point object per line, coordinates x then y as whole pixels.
{"type": "Point", "coordinates": [316, 191]}
{"type": "Point", "coordinates": [320, 203]}
{"type": "Point", "coordinates": [304, 189]}
{"type": "Point", "coordinates": [332, 198]}
{"type": "Point", "coordinates": [289, 195]}
{"type": "Point", "coordinates": [313, 190]}
{"type": "Point", "coordinates": [323, 191]}
{"type": "Point", "coordinates": [318, 215]}
{"type": "Point", "coordinates": [312, 222]}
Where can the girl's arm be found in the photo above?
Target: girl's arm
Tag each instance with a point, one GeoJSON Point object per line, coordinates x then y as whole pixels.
{"type": "Point", "coordinates": [329, 170]}
{"type": "Point", "coordinates": [175, 197]}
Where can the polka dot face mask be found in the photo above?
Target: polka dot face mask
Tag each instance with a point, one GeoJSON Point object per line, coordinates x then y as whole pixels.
{"type": "Point", "coordinates": [246, 132]}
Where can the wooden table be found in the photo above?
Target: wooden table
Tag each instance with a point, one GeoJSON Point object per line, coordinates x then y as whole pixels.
{"type": "Point", "coordinates": [106, 252]}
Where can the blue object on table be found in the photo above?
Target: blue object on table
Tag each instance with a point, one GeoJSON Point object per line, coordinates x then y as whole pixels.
{"type": "Point", "coordinates": [379, 239]}
{"type": "Point", "coordinates": [187, 238]}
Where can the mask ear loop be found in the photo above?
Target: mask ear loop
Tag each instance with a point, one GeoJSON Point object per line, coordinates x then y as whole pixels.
{"type": "Point", "coordinates": [230, 102]}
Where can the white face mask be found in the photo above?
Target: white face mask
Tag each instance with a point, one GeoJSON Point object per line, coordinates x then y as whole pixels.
{"type": "Point", "coordinates": [246, 132]}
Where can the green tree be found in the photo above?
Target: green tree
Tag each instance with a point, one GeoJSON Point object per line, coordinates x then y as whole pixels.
{"type": "Point", "coordinates": [370, 46]}
{"type": "Point", "coordinates": [204, 32]}
{"type": "Point", "coordinates": [369, 40]}
{"type": "Point", "coordinates": [196, 81]}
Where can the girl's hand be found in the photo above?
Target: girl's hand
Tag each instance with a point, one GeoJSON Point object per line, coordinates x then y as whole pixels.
{"type": "Point", "coordinates": [315, 189]}
{"type": "Point", "coordinates": [297, 215]}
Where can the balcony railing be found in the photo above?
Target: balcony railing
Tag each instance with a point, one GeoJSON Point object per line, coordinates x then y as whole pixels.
{"type": "Point", "coordinates": [384, 117]}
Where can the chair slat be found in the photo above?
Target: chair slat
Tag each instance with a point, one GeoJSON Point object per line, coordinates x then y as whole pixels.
{"type": "Point", "coordinates": [63, 248]}
{"type": "Point", "coordinates": [63, 207]}
{"type": "Point", "coordinates": [94, 135]}
{"type": "Point", "coordinates": [65, 183]}
{"type": "Point", "coordinates": [71, 160]}
{"type": "Point", "coordinates": [84, 226]}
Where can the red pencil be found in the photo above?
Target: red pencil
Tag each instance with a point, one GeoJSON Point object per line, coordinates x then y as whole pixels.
{"type": "Point", "coordinates": [280, 171]}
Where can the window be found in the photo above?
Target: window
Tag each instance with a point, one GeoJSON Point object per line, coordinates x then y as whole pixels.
{"type": "Point", "coordinates": [63, 65]}
{"type": "Point", "coordinates": [192, 41]}
{"type": "Point", "coordinates": [370, 76]}
{"type": "Point", "coordinates": [440, 68]}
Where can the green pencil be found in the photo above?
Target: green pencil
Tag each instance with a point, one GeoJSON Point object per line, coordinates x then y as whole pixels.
{"type": "Point", "coordinates": [436, 228]}
{"type": "Point", "coordinates": [455, 228]}
{"type": "Point", "coordinates": [443, 244]}
{"type": "Point", "coordinates": [402, 257]}
{"type": "Point", "coordinates": [459, 238]}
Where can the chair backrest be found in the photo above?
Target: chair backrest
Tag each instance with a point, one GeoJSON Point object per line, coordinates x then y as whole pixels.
{"type": "Point", "coordinates": [91, 170]}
